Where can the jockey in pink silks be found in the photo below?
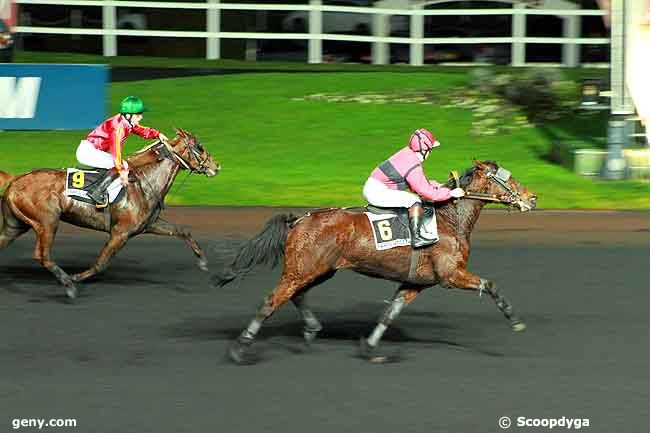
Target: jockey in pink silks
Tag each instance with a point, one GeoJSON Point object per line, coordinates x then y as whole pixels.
{"type": "Point", "coordinates": [387, 184]}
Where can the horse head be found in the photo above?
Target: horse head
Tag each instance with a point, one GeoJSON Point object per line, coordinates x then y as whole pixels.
{"type": "Point", "coordinates": [192, 155]}
{"type": "Point", "coordinates": [487, 181]}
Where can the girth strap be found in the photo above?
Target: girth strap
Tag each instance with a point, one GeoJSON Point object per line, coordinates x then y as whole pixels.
{"type": "Point", "coordinates": [415, 259]}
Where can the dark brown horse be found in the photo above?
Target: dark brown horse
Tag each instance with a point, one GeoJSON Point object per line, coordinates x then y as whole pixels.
{"type": "Point", "coordinates": [36, 200]}
{"type": "Point", "coordinates": [320, 243]}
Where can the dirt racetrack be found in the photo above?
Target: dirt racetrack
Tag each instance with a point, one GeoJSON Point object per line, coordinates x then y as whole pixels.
{"type": "Point", "coordinates": [144, 348]}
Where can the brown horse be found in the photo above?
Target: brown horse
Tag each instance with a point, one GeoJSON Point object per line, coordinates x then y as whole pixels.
{"type": "Point", "coordinates": [5, 178]}
{"type": "Point", "coordinates": [320, 243]}
{"type": "Point", "coordinates": [37, 200]}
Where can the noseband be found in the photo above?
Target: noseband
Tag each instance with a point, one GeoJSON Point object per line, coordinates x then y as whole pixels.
{"type": "Point", "coordinates": [194, 155]}
{"type": "Point", "coordinates": [501, 178]}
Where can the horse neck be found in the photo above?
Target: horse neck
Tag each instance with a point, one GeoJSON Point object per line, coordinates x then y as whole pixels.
{"type": "Point", "coordinates": [462, 215]}
{"type": "Point", "coordinates": [159, 177]}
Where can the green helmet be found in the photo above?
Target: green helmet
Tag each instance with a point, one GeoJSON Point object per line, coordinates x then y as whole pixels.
{"type": "Point", "coordinates": [132, 105]}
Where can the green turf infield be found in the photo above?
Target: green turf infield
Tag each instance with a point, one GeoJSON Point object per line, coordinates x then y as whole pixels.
{"type": "Point", "coordinates": [279, 151]}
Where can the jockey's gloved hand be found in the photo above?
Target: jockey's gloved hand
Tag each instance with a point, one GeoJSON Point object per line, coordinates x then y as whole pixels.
{"type": "Point", "coordinates": [457, 192]}
{"type": "Point", "coordinates": [162, 137]}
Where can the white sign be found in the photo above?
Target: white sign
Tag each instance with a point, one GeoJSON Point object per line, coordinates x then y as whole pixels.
{"type": "Point", "coordinates": [19, 97]}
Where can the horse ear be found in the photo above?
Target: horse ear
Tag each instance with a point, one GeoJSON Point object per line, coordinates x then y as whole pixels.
{"type": "Point", "coordinates": [478, 164]}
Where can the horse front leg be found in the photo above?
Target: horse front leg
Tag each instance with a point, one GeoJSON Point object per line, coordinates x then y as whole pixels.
{"type": "Point", "coordinates": [112, 246]}
{"type": "Point", "coordinates": [462, 279]}
{"type": "Point", "coordinates": [404, 296]}
{"type": "Point", "coordinates": [168, 229]}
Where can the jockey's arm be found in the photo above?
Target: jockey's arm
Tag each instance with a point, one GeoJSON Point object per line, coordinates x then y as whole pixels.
{"type": "Point", "coordinates": [116, 149]}
{"type": "Point", "coordinates": [146, 133]}
{"type": "Point", "coordinates": [431, 191]}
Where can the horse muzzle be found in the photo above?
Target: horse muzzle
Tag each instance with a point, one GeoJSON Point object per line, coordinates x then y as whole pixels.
{"type": "Point", "coordinates": [212, 172]}
{"type": "Point", "coordinates": [526, 206]}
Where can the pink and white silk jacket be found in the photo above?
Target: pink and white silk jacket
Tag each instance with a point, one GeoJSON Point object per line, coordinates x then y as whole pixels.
{"type": "Point", "coordinates": [403, 170]}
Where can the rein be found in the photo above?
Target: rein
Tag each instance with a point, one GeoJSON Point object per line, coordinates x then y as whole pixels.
{"type": "Point", "coordinates": [194, 155]}
{"type": "Point", "coordinates": [500, 178]}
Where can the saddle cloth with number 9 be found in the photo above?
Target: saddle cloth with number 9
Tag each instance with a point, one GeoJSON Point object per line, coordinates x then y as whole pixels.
{"type": "Point", "coordinates": [77, 181]}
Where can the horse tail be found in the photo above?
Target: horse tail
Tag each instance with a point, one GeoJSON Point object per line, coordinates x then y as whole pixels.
{"type": "Point", "coordinates": [266, 247]}
{"type": "Point", "coordinates": [5, 178]}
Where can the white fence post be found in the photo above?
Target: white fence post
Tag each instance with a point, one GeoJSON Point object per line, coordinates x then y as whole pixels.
{"type": "Point", "coordinates": [213, 25]}
{"type": "Point", "coordinates": [109, 22]}
{"type": "Point", "coordinates": [518, 49]}
{"type": "Point", "coordinates": [621, 100]}
{"type": "Point", "coordinates": [380, 50]}
{"type": "Point", "coordinates": [571, 52]}
{"type": "Point", "coordinates": [317, 17]}
{"type": "Point", "coordinates": [417, 32]}
{"type": "Point", "coordinates": [315, 28]}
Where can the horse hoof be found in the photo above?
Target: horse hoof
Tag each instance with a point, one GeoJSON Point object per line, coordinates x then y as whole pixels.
{"type": "Point", "coordinates": [310, 335]}
{"type": "Point", "coordinates": [369, 353]}
{"type": "Point", "coordinates": [241, 353]}
{"type": "Point", "coordinates": [518, 326]}
{"type": "Point", "coordinates": [71, 292]}
{"type": "Point", "coordinates": [203, 265]}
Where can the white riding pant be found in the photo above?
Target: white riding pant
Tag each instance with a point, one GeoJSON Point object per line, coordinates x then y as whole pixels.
{"type": "Point", "coordinates": [88, 155]}
{"type": "Point", "coordinates": [378, 194]}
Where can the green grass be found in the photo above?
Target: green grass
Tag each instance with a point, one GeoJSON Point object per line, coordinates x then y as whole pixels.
{"type": "Point", "coordinates": [279, 152]}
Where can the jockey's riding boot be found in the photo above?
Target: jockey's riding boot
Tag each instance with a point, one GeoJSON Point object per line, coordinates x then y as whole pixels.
{"type": "Point", "coordinates": [97, 191]}
{"type": "Point", "coordinates": [416, 220]}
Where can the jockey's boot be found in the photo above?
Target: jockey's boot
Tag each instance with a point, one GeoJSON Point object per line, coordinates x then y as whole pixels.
{"type": "Point", "coordinates": [97, 191]}
{"type": "Point", "coordinates": [419, 236]}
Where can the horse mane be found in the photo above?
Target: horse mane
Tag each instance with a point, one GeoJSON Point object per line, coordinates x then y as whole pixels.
{"type": "Point", "coordinates": [456, 212]}
{"type": "Point", "coordinates": [468, 176]}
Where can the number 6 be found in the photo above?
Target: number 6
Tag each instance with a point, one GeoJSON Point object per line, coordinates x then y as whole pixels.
{"type": "Point", "coordinates": [384, 230]}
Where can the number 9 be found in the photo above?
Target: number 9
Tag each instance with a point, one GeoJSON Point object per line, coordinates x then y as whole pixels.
{"type": "Point", "coordinates": [78, 179]}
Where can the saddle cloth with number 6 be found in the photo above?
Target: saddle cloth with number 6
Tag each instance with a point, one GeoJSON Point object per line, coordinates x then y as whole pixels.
{"type": "Point", "coordinates": [77, 181]}
{"type": "Point", "coordinates": [390, 226]}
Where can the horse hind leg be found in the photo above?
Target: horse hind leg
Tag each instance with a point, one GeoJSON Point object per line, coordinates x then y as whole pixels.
{"type": "Point", "coordinates": [311, 324]}
{"type": "Point", "coordinates": [8, 235]}
{"type": "Point", "coordinates": [45, 229]}
{"type": "Point", "coordinates": [10, 228]}
{"type": "Point", "coordinates": [241, 350]}
{"type": "Point", "coordinates": [45, 234]}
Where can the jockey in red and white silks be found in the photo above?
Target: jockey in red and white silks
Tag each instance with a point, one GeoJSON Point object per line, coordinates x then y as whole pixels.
{"type": "Point", "coordinates": [387, 184]}
{"type": "Point", "coordinates": [102, 148]}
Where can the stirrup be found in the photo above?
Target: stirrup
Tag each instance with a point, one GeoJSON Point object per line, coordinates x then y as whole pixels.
{"type": "Point", "coordinates": [101, 204]}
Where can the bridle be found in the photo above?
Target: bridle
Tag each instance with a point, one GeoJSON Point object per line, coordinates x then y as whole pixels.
{"type": "Point", "coordinates": [194, 155]}
{"type": "Point", "coordinates": [501, 178]}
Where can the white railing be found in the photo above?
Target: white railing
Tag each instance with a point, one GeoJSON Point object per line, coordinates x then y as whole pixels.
{"type": "Point", "coordinates": [380, 28]}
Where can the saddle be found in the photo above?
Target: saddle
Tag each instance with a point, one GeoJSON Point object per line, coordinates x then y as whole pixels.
{"type": "Point", "coordinates": [390, 225]}
{"type": "Point", "coordinates": [79, 180]}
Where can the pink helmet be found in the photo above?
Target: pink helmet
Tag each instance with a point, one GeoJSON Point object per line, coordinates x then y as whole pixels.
{"type": "Point", "coordinates": [422, 141]}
